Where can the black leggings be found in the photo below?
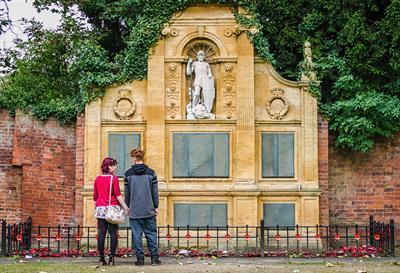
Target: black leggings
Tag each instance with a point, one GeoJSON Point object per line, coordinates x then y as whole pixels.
{"type": "Point", "coordinates": [112, 229]}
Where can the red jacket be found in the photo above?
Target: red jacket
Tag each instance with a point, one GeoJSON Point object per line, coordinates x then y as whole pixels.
{"type": "Point", "coordinates": [102, 190]}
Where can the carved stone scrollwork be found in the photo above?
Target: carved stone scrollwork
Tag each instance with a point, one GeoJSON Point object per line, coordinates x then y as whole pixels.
{"type": "Point", "coordinates": [170, 31]}
{"type": "Point", "coordinates": [238, 29]}
{"type": "Point", "coordinates": [124, 105]}
{"type": "Point", "coordinates": [172, 91]}
{"type": "Point", "coordinates": [228, 91]}
{"type": "Point", "coordinates": [277, 106]}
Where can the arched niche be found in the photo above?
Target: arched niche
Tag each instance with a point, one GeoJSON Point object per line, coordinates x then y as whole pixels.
{"type": "Point", "coordinates": [206, 36]}
{"type": "Point", "coordinates": [212, 56]}
{"type": "Point", "coordinates": [210, 49]}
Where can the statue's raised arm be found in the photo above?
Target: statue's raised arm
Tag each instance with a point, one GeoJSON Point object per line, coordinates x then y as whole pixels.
{"type": "Point", "coordinates": [189, 67]}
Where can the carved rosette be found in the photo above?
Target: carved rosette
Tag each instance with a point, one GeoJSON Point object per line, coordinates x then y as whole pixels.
{"type": "Point", "coordinates": [277, 106]}
{"type": "Point", "coordinates": [228, 92]}
{"type": "Point", "coordinates": [124, 106]}
{"type": "Point", "coordinates": [172, 98]}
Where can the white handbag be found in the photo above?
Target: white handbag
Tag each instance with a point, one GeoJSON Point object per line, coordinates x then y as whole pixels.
{"type": "Point", "coordinates": [114, 214]}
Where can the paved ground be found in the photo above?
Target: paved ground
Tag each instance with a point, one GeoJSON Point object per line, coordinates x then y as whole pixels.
{"type": "Point", "coordinates": [224, 265]}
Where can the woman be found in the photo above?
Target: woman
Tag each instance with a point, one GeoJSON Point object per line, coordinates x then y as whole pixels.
{"type": "Point", "coordinates": [101, 197]}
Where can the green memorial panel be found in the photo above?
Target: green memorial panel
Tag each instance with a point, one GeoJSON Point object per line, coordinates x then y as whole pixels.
{"type": "Point", "coordinates": [119, 147]}
{"type": "Point", "coordinates": [200, 155]}
{"type": "Point", "coordinates": [282, 214]}
{"type": "Point", "coordinates": [278, 155]}
{"type": "Point", "coordinates": [200, 214]}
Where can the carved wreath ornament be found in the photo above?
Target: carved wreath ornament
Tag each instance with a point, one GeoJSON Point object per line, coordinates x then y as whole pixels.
{"type": "Point", "coordinates": [124, 105]}
{"type": "Point", "coordinates": [280, 110]}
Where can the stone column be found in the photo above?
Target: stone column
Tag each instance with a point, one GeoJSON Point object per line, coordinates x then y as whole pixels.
{"type": "Point", "coordinates": [92, 142]}
{"type": "Point", "coordinates": [245, 136]}
{"type": "Point", "coordinates": [245, 146]}
{"type": "Point", "coordinates": [309, 156]}
{"type": "Point", "coordinates": [92, 158]}
{"type": "Point", "coordinates": [155, 133]}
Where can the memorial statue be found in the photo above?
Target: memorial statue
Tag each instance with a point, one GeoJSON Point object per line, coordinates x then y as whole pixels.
{"type": "Point", "coordinates": [201, 90]}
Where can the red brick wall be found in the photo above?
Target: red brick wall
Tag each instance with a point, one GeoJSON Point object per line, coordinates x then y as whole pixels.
{"type": "Point", "coordinates": [47, 164]}
{"type": "Point", "coordinates": [10, 176]}
{"type": "Point", "coordinates": [41, 175]}
{"type": "Point", "coordinates": [323, 170]}
{"type": "Point", "coordinates": [365, 184]}
{"type": "Point", "coordinates": [79, 167]}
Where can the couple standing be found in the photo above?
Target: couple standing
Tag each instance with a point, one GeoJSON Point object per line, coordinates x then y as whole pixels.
{"type": "Point", "coordinates": [140, 204]}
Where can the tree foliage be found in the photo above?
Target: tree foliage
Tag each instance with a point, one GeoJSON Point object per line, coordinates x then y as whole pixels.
{"type": "Point", "coordinates": [355, 47]}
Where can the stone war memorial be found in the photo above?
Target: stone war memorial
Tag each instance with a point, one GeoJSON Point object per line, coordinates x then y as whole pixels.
{"type": "Point", "coordinates": [231, 141]}
{"type": "Point", "coordinates": [243, 156]}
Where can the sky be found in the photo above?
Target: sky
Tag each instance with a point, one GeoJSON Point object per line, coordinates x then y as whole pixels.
{"type": "Point", "coordinates": [23, 9]}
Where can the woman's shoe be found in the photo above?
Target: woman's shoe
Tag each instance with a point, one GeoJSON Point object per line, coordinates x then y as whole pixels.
{"type": "Point", "coordinates": [102, 261]}
{"type": "Point", "coordinates": [111, 260]}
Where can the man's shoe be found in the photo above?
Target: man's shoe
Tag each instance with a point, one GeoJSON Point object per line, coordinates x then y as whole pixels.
{"type": "Point", "coordinates": [139, 262]}
{"type": "Point", "coordinates": [155, 261]}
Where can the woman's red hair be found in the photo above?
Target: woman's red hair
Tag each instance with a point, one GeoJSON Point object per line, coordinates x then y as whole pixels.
{"type": "Point", "coordinates": [107, 162]}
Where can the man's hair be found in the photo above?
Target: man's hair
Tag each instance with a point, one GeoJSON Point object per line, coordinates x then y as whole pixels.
{"type": "Point", "coordinates": [138, 154]}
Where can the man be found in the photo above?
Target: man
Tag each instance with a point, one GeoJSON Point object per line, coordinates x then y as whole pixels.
{"type": "Point", "coordinates": [141, 195]}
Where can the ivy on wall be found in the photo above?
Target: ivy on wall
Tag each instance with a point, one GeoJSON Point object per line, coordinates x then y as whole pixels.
{"type": "Point", "coordinates": [56, 73]}
{"type": "Point", "coordinates": [355, 47]}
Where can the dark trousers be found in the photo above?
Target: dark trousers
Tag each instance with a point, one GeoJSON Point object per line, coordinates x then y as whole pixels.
{"type": "Point", "coordinates": [103, 226]}
{"type": "Point", "coordinates": [148, 226]}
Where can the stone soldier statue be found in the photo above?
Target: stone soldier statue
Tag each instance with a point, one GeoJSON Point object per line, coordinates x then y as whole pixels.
{"type": "Point", "coordinates": [202, 91]}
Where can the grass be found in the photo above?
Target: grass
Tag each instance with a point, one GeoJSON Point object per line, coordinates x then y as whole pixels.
{"type": "Point", "coordinates": [188, 265]}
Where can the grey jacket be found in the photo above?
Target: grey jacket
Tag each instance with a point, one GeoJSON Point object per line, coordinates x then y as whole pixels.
{"type": "Point", "coordinates": [141, 191]}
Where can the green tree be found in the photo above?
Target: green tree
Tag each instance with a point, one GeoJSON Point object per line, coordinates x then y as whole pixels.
{"type": "Point", "coordinates": [356, 47]}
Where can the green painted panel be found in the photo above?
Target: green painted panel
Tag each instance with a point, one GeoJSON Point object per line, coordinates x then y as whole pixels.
{"type": "Point", "coordinates": [278, 155]}
{"type": "Point", "coordinates": [282, 214]}
{"type": "Point", "coordinates": [200, 155]}
{"type": "Point", "coordinates": [200, 214]}
{"type": "Point", "coordinates": [119, 147]}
